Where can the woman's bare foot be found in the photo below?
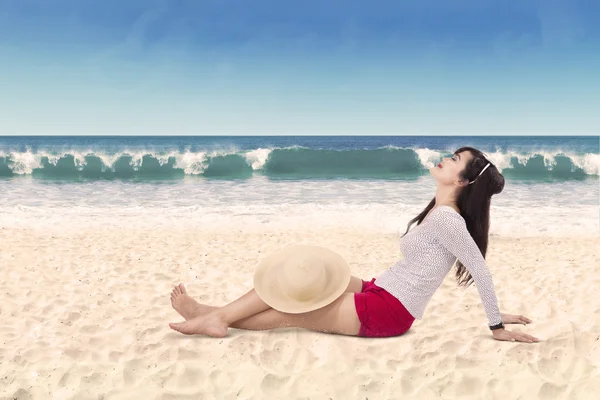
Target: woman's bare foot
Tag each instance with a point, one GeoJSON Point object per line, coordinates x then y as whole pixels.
{"type": "Point", "coordinates": [211, 324]}
{"type": "Point", "coordinates": [187, 307]}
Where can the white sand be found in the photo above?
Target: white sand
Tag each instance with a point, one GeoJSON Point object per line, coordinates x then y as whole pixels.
{"type": "Point", "coordinates": [85, 316]}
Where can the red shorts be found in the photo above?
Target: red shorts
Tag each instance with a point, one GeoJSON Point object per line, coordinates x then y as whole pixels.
{"type": "Point", "coordinates": [380, 313]}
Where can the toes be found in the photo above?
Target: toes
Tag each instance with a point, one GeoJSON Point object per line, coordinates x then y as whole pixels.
{"type": "Point", "coordinates": [176, 326]}
{"type": "Point", "coordinates": [176, 290]}
{"type": "Point", "coordinates": [182, 288]}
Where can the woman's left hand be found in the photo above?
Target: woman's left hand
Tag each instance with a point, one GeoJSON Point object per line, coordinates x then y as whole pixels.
{"type": "Point", "coordinates": [514, 319]}
{"type": "Point", "coordinates": [503, 334]}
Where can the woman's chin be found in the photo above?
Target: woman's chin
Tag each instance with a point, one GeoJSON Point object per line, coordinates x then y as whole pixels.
{"type": "Point", "coordinates": [434, 172]}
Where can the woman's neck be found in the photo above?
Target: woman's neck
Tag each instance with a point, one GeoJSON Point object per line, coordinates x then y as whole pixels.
{"type": "Point", "coordinates": [446, 196]}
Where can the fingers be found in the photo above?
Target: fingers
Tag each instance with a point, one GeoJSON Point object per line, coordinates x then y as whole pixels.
{"type": "Point", "coordinates": [516, 337]}
{"type": "Point", "coordinates": [529, 337]}
{"type": "Point", "coordinates": [525, 319]}
{"type": "Point", "coordinates": [518, 319]}
{"type": "Point", "coordinates": [523, 337]}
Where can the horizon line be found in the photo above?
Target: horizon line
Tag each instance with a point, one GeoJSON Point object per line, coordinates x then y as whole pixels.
{"type": "Point", "coordinates": [304, 135]}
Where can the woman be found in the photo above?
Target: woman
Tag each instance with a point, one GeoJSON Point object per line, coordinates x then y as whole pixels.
{"type": "Point", "coordinates": [453, 228]}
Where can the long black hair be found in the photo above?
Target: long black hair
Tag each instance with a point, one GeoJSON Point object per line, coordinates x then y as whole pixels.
{"type": "Point", "coordinates": [474, 205]}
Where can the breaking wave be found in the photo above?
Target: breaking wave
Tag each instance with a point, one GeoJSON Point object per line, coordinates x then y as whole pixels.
{"type": "Point", "coordinates": [290, 162]}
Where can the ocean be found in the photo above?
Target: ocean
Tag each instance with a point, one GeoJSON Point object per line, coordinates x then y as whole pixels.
{"type": "Point", "coordinates": [367, 182]}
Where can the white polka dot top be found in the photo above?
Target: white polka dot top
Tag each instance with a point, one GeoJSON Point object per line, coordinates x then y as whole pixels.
{"type": "Point", "coordinates": [430, 250]}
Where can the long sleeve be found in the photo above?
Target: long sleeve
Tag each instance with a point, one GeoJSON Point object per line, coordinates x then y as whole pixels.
{"type": "Point", "coordinates": [454, 236]}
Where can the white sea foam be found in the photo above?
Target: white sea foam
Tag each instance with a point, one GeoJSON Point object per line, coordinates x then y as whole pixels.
{"type": "Point", "coordinates": [590, 163]}
{"type": "Point", "coordinates": [520, 210]}
{"type": "Point", "coordinates": [191, 163]}
{"type": "Point", "coordinates": [429, 158]}
{"type": "Point", "coordinates": [257, 158]}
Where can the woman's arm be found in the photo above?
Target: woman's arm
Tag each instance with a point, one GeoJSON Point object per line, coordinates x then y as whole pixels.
{"type": "Point", "coordinates": [455, 237]}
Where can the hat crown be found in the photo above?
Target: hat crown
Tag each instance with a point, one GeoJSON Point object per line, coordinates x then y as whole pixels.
{"type": "Point", "coordinates": [303, 278]}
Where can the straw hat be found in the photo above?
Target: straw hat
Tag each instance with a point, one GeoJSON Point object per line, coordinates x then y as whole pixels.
{"type": "Point", "coordinates": [301, 278]}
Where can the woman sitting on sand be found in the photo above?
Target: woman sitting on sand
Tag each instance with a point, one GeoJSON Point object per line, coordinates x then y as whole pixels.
{"type": "Point", "coordinates": [453, 228]}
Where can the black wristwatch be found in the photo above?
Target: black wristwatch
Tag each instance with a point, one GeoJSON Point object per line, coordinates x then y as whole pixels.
{"type": "Point", "coordinates": [499, 326]}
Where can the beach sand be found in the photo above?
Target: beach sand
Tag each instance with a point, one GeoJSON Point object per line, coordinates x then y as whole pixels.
{"type": "Point", "coordinates": [85, 315]}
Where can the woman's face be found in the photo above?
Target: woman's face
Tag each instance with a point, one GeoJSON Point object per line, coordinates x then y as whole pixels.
{"type": "Point", "coordinates": [448, 171]}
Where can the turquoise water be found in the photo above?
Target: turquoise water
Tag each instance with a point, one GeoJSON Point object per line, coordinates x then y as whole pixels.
{"type": "Point", "coordinates": [541, 158]}
{"type": "Point", "coordinates": [367, 182]}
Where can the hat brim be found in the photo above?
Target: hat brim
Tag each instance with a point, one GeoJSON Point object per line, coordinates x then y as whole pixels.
{"type": "Point", "coordinates": [337, 276]}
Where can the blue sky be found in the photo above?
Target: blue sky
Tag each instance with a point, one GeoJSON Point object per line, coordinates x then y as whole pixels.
{"type": "Point", "coordinates": [79, 67]}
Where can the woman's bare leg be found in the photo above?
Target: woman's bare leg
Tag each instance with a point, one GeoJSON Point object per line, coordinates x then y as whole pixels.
{"type": "Point", "coordinates": [189, 308]}
{"type": "Point", "coordinates": [338, 317]}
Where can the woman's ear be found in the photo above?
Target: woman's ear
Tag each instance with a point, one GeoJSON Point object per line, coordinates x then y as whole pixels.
{"type": "Point", "coordinates": [463, 182]}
